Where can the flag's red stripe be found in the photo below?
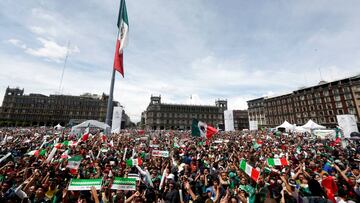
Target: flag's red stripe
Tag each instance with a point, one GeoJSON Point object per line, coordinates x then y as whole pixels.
{"type": "Point", "coordinates": [210, 131]}
{"type": "Point", "coordinates": [284, 162]}
{"type": "Point", "coordinates": [73, 171]}
{"type": "Point", "coordinates": [255, 174]}
{"type": "Point", "coordinates": [85, 137]}
{"type": "Point", "coordinates": [118, 59]}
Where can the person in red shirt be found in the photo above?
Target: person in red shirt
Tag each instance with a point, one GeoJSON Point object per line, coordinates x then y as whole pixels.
{"type": "Point", "coordinates": [330, 186]}
{"type": "Point", "coordinates": [351, 182]}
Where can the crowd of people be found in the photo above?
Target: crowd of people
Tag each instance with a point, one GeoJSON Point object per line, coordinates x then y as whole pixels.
{"type": "Point", "coordinates": [220, 169]}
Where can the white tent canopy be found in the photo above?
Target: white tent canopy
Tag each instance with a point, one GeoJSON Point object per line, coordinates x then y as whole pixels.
{"type": "Point", "coordinates": [58, 127]}
{"type": "Point", "coordinates": [311, 125]}
{"type": "Point", "coordinates": [300, 129]}
{"type": "Point", "coordinates": [286, 125]}
{"type": "Point", "coordinates": [91, 124]}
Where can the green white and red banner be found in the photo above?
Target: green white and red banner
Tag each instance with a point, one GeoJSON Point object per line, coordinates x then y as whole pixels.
{"type": "Point", "coordinates": [249, 170]}
{"type": "Point", "coordinates": [85, 184]}
{"type": "Point", "coordinates": [124, 184]}
{"type": "Point", "coordinates": [37, 152]}
{"type": "Point", "coordinates": [277, 162]}
{"type": "Point", "coordinates": [158, 153]}
{"type": "Point", "coordinates": [134, 162]}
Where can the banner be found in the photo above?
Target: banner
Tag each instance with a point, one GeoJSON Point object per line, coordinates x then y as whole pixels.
{"type": "Point", "coordinates": [85, 184]}
{"type": "Point", "coordinates": [347, 123]}
{"type": "Point", "coordinates": [124, 184]}
{"type": "Point", "coordinates": [160, 153]}
{"type": "Point", "coordinates": [253, 125]}
{"type": "Point", "coordinates": [324, 134]}
{"type": "Point", "coordinates": [134, 175]}
{"type": "Point", "coordinates": [229, 120]}
{"type": "Point", "coordinates": [116, 119]}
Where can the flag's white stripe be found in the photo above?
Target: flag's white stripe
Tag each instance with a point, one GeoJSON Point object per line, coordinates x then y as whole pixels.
{"type": "Point", "coordinates": [135, 162]}
{"type": "Point", "coordinates": [202, 124]}
{"type": "Point", "coordinates": [51, 155]}
{"type": "Point", "coordinates": [123, 187]}
{"type": "Point", "coordinates": [73, 164]}
{"type": "Point", "coordinates": [248, 169]}
{"type": "Point", "coordinates": [86, 187]}
{"type": "Point", "coordinates": [123, 40]}
{"type": "Point", "coordinates": [277, 162]}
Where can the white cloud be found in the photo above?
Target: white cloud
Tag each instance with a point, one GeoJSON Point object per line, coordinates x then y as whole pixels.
{"type": "Point", "coordinates": [42, 14]}
{"type": "Point", "coordinates": [268, 94]}
{"type": "Point", "coordinates": [37, 30]}
{"type": "Point", "coordinates": [41, 31]}
{"type": "Point", "coordinates": [238, 102]}
{"type": "Point", "coordinates": [17, 43]}
{"type": "Point", "coordinates": [51, 50]}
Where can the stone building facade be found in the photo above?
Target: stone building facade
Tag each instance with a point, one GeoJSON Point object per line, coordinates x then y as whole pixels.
{"type": "Point", "coordinates": [37, 109]}
{"type": "Point", "coordinates": [160, 116]}
{"type": "Point", "coordinates": [256, 110]}
{"type": "Point", "coordinates": [321, 103]}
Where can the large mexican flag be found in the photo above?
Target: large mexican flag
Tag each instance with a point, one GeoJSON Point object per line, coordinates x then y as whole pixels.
{"type": "Point", "coordinates": [201, 129]}
{"type": "Point", "coordinates": [123, 25]}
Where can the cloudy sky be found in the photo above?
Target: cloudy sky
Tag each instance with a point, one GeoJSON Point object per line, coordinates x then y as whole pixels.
{"type": "Point", "coordinates": [234, 49]}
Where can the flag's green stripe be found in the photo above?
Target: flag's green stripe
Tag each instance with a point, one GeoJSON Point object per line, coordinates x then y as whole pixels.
{"type": "Point", "coordinates": [195, 131]}
{"type": "Point", "coordinates": [75, 158]}
{"type": "Point", "coordinates": [271, 162]}
{"type": "Point", "coordinates": [85, 182]}
{"type": "Point", "coordinates": [243, 165]}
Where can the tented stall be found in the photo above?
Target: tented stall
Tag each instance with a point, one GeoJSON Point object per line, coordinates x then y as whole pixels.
{"type": "Point", "coordinates": [91, 124]}
{"type": "Point", "coordinates": [311, 125]}
{"type": "Point", "coordinates": [58, 127]}
{"type": "Point", "coordinates": [300, 129]}
{"type": "Point", "coordinates": [286, 125]}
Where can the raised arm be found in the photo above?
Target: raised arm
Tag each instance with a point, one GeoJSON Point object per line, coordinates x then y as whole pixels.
{"type": "Point", "coordinates": [189, 190]}
{"type": "Point", "coordinates": [342, 173]}
{"type": "Point", "coordinates": [298, 172]}
{"type": "Point", "coordinates": [94, 194]}
{"type": "Point", "coordinates": [140, 170]}
{"type": "Point", "coordinates": [288, 187]}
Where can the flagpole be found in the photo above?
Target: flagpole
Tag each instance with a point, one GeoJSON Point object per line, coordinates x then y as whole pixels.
{"type": "Point", "coordinates": [110, 100]}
